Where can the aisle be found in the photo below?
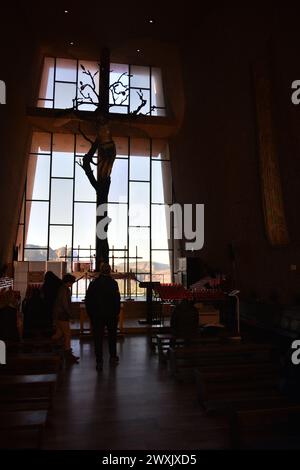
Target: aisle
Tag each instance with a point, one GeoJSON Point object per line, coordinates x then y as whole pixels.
{"type": "Point", "coordinates": [133, 406]}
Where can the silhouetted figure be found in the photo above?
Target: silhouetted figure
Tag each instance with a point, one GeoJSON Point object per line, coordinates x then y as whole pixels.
{"type": "Point", "coordinates": [8, 324]}
{"type": "Point", "coordinates": [184, 320]}
{"type": "Point", "coordinates": [50, 289]}
{"type": "Point", "coordinates": [62, 315]}
{"type": "Point", "coordinates": [9, 307]}
{"type": "Point", "coordinates": [33, 308]}
{"type": "Point", "coordinates": [103, 307]}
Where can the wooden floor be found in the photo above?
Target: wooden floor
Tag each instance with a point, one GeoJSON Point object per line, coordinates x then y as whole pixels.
{"type": "Point", "coordinates": [136, 405]}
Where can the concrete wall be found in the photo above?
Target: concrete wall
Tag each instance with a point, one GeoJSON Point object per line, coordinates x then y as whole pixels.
{"type": "Point", "coordinates": [18, 70]}
{"type": "Point", "coordinates": [215, 155]}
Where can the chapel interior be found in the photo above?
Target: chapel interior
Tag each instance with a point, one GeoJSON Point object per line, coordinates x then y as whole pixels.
{"type": "Point", "coordinates": [201, 110]}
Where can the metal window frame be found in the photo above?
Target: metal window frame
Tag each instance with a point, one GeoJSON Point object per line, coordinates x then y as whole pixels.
{"type": "Point", "coordinates": [130, 87]}
{"type": "Point", "coordinates": [129, 180]}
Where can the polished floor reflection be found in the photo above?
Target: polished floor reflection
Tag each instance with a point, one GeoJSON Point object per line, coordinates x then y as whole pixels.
{"type": "Point", "coordinates": [136, 405]}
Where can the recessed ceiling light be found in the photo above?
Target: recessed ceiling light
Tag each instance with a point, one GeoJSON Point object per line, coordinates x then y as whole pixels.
{"type": "Point", "coordinates": [151, 21]}
{"type": "Point", "coordinates": [138, 50]}
{"type": "Point", "coordinates": [66, 11]}
{"type": "Point", "coordinates": [71, 43]}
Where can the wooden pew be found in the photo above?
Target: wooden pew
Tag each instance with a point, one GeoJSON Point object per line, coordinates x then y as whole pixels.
{"type": "Point", "coordinates": [224, 389]}
{"type": "Point", "coordinates": [43, 345]}
{"type": "Point", "coordinates": [27, 392]}
{"type": "Point", "coordinates": [263, 423]}
{"type": "Point", "coordinates": [25, 405]}
{"type": "Point", "coordinates": [152, 336]}
{"type": "Point", "coordinates": [33, 379]}
{"type": "Point", "coordinates": [11, 422]}
{"type": "Point", "coordinates": [49, 363]}
{"type": "Point", "coordinates": [184, 360]}
{"type": "Point", "coordinates": [25, 387]}
{"type": "Point", "coordinates": [165, 341]}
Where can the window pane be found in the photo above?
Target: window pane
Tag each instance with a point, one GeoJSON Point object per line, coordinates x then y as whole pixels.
{"type": "Point", "coordinates": [61, 201]}
{"type": "Point", "coordinates": [159, 234]}
{"type": "Point", "coordinates": [62, 164]}
{"type": "Point", "coordinates": [83, 255]}
{"type": "Point", "coordinates": [66, 70]}
{"type": "Point", "coordinates": [59, 238]}
{"type": "Point", "coordinates": [161, 266]}
{"type": "Point", "coordinates": [144, 277]}
{"type": "Point", "coordinates": [119, 109]}
{"type": "Point", "coordinates": [140, 238]}
{"type": "Point", "coordinates": [80, 287]}
{"type": "Point", "coordinates": [140, 76]}
{"type": "Point", "coordinates": [139, 204]}
{"type": "Point", "coordinates": [38, 174]}
{"type": "Point", "coordinates": [157, 88]}
{"type": "Point", "coordinates": [85, 225]}
{"type": "Point", "coordinates": [117, 229]}
{"type": "Point", "coordinates": [63, 155]}
{"type": "Point", "coordinates": [65, 93]}
{"type": "Point", "coordinates": [139, 101]}
{"type": "Point", "coordinates": [45, 104]}
{"type": "Point", "coordinates": [37, 224]}
{"type": "Point", "coordinates": [83, 74]}
{"type": "Point", "coordinates": [35, 255]}
{"type": "Point", "coordinates": [84, 191]}
{"type": "Point", "coordinates": [140, 168]}
{"type": "Point", "coordinates": [119, 181]}
{"type": "Point", "coordinates": [119, 82]}
{"type": "Point", "coordinates": [88, 78]}
{"type": "Point", "coordinates": [161, 182]}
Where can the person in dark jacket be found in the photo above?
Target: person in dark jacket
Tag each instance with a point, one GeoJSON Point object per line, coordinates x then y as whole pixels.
{"type": "Point", "coordinates": [33, 307]}
{"type": "Point", "coordinates": [50, 289]}
{"type": "Point", "coordinates": [62, 313]}
{"type": "Point", "coordinates": [103, 307]}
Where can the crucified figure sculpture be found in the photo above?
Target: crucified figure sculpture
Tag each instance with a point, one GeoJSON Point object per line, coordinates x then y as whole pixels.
{"type": "Point", "coordinates": [88, 93]}
{"type": "Point", "coordinates": [106, 148]}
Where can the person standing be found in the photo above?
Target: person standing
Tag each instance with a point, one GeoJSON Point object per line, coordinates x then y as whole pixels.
{"type": "Point", "coordinates": [62, 313]}
{"type": "Point", "coordinates": [103, 307]}
{"type": "Point", "coordinates": [49, 291]}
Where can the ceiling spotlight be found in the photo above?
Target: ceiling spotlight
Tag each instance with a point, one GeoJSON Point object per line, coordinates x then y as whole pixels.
{"type": "Point", "coordinates": [138, 50]}
{"type": "Point", "coordinates": [151, 21]}
{"type": "Point", "coordinates": [71, 43]}
{"type": "Point", "coordinates": [66, 11]}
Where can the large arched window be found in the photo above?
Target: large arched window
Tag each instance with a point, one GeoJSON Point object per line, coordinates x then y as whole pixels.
{"type": "Point", "coordinates": [58, 219]}
{"type": "Point", "coordinates": [132, 88]}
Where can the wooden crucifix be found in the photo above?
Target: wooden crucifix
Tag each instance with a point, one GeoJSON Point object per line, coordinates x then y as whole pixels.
{"type": "Point", "coordinates": [105, 146]}
{"type": "Point", "coordinates": [103, 143]}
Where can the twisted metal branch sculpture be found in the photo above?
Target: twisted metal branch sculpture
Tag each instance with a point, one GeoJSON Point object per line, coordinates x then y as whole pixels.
{"type": "Point", "coordinates": [103, 143]}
